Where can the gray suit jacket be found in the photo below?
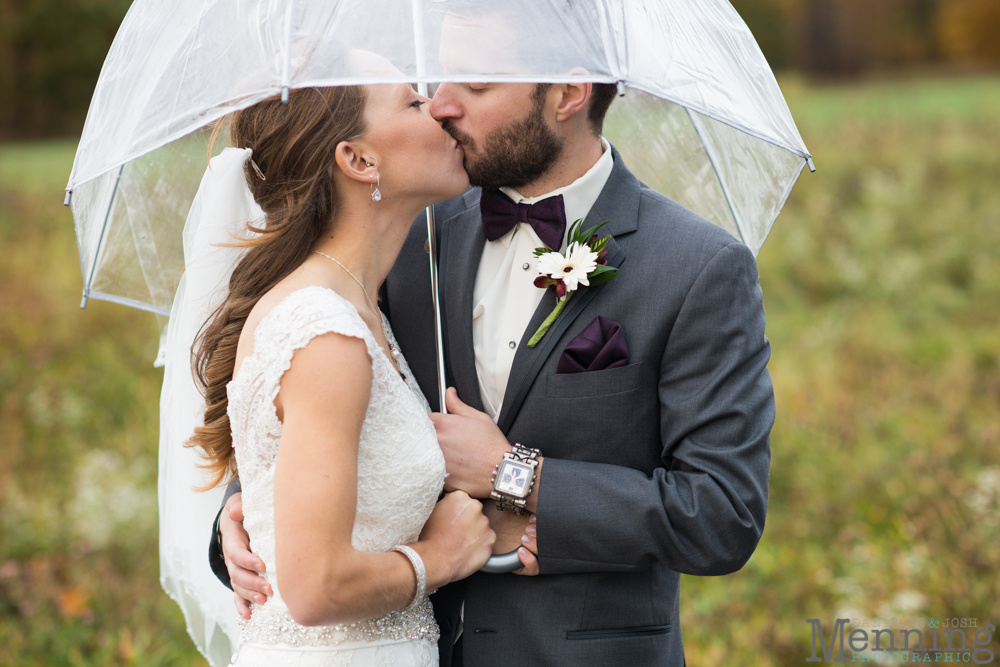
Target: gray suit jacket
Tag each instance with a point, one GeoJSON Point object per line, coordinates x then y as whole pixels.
{"type": "Point", "coordinates": [652, 469]}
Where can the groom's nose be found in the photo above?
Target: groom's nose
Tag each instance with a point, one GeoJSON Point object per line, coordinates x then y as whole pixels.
{"type": "Point", "coordinates": [445, 103]}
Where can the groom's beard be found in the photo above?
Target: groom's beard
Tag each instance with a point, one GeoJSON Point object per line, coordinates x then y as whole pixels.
{"type": "Point", "coordinates": [513, 155]}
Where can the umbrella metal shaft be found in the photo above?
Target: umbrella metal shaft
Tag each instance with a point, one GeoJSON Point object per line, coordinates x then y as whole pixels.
{"type": "Point", "coordinates": [431, 236]}
{"type": "Point", "coordinates": [435, 298]}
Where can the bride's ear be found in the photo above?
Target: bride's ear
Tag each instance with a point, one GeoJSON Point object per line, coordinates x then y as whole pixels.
{"type": "Point", "coordinates": [354, 164]}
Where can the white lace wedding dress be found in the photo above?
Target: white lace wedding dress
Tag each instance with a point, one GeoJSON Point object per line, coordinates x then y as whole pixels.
{"type": "Point", "coordinates": [400, 474]}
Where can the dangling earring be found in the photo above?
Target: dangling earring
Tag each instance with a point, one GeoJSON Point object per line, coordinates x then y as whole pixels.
{"type": "Point", "coordinates": [376, 193]}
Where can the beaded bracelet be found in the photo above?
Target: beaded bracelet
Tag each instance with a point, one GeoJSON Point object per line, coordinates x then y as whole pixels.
{"type": "Point", "coordinates": [418, 568]}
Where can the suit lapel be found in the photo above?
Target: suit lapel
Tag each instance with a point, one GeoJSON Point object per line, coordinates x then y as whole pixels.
{"type": "Point", "coordinates": [461, 249]}
{"type": "Point", "coordinates": [619, 203]}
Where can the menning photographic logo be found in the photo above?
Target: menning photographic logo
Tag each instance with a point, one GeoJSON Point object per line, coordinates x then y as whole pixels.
{"type": "Point", "coordinates": [919, 640]}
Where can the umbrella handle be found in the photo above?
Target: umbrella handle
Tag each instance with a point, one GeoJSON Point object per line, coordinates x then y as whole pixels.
{"type": "Point", "coordinates": [502, 563]}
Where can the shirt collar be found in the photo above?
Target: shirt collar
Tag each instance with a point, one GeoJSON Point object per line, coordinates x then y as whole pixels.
{"type": "Point", "coordinates": [580, 195]}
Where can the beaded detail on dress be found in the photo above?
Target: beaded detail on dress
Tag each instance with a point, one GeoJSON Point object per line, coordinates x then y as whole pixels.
{"type": "Point", "coordinates": [400, 465]}
{"type": "Point", "coordinates": [270, 626]}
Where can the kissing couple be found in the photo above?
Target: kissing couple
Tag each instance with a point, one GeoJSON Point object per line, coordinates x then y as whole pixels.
{"type": "Point", "coordinates": [638, 421]}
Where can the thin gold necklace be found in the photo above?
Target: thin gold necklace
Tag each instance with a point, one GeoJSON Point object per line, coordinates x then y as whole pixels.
{"type": "Point", "coordinates": [393, 350]}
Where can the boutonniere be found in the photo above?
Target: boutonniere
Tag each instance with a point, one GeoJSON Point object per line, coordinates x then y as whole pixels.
{"type": "Point", "coordinates": [584, 263]}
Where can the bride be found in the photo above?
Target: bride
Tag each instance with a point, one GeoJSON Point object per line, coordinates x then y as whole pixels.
{"type": "Point", "coordinates": [308, 399]}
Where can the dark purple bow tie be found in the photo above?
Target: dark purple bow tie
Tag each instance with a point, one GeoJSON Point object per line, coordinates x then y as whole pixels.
{"type": "Point", "coordinates": [501, 213]}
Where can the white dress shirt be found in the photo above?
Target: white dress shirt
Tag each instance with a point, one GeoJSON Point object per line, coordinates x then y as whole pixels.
{"type": "Point", "coordinates": [505, 296]}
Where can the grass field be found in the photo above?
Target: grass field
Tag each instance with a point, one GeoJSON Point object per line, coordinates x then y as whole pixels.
{"type": "Point", "coordinates": [882, 290]}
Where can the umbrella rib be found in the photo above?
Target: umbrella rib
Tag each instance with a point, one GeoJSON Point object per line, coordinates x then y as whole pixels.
{"type": "Point", "coordinates": [100, 239]}
{"type": "Point", "coordinates": [419, 54]}
{"type": "Point", "coordinates": [131, 303]}
{"type": "Point", "coordinates": [716, 117]}
{"type": "Point", "coordinates": [784, 198]}
{"type": "Point", "coordinates": [718, 176]}
{"type": "Point", "coordinates": [218, 111]}
{"type": "Point", "coordinates": [625, 67]}
{"type": "Point", "coordinates": [421, 64]}
{"type": "Point", "coordinates": [286, 82]}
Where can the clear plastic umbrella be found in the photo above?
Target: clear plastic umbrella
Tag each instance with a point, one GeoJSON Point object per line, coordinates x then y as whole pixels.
{"type": "Point", "coordinates": [706, 124]}
{"type": "Point", "coordinates": [701, 118]}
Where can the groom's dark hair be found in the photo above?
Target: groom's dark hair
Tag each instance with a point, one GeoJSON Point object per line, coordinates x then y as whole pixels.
{"type": "Point", "coordinates": [601, 97]}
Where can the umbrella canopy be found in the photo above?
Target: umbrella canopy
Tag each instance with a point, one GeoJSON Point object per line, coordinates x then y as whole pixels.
{"type": "Point", "coordinates": [706, 124]}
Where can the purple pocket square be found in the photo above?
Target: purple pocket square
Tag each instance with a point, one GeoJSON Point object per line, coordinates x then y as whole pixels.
{"type": "Point", "coordinates": [598, 347]}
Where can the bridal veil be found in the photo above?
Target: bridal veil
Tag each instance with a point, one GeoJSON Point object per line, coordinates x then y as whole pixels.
{"type": "Point", "coordinates": [219, 215]}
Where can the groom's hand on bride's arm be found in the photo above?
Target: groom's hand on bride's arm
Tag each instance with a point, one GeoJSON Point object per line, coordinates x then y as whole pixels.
{"type": "Point", "coordinates": [243, 566]}
{"type": "Point", "coordinates": [473, 445]}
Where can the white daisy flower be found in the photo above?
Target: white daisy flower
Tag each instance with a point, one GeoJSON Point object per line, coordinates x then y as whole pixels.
{"type": "Point", "coordinates": [571, 269]}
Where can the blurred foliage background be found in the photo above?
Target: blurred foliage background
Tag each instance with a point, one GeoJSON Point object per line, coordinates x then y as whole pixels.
{"type": "Point", "coordinates": [882, 291]}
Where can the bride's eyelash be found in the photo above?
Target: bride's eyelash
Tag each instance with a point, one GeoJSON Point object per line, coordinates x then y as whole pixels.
{"type": "Point", "coordinates": [416, 103]}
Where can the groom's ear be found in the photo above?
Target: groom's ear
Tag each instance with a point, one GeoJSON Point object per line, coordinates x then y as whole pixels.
{"type": "Point", "coordinates": [354, 163]}
{"type": "Point", "coordinates": [573, 99]}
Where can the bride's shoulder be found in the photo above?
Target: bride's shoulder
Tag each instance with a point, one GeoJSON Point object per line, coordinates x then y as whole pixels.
{"type": "Point", "coordinates": [293, 317]}
{"type": "Point", "coordinates": [296, 308]}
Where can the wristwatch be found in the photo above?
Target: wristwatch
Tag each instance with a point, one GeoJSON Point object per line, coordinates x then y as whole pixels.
{"type": "Point", "coordinates": [514, 477]}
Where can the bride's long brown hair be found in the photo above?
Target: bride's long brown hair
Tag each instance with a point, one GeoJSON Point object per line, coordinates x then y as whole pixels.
{"type": "Point", "coordinates": [293, 145]}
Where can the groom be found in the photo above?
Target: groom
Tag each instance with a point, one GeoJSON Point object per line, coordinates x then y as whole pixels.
{"type": "Point", "coordinates": [649, 398]}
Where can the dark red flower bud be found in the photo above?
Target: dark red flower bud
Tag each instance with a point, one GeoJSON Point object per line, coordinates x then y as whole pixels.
{"type": "Point", "coordinates": [557, 286]}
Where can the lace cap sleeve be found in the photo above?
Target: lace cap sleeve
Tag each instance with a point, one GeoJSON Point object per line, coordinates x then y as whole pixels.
{"type": "Point", "coordinates": [293, 323]}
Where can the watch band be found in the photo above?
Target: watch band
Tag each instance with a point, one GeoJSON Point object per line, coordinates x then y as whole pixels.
{"type": "Point", "coordinates": [521, 454]}
{"type": "Point", "coordinates": [505, 504]}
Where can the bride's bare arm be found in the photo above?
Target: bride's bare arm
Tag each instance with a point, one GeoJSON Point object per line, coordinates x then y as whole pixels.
{"type": "Point", "coordinates": [323, 579]}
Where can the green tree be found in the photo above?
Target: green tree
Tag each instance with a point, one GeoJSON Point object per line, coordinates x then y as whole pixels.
{"type": "Point", "coordinates": [51, 52]}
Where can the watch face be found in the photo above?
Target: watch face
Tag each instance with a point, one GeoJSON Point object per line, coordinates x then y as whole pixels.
{"type": "Point", "coordinates": [513, 479]}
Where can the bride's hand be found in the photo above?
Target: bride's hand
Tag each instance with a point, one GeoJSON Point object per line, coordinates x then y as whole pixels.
{"type": "Point", "coordinates": [456, 540]}
{"type": "Point", "coordinates": [243, 566]}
